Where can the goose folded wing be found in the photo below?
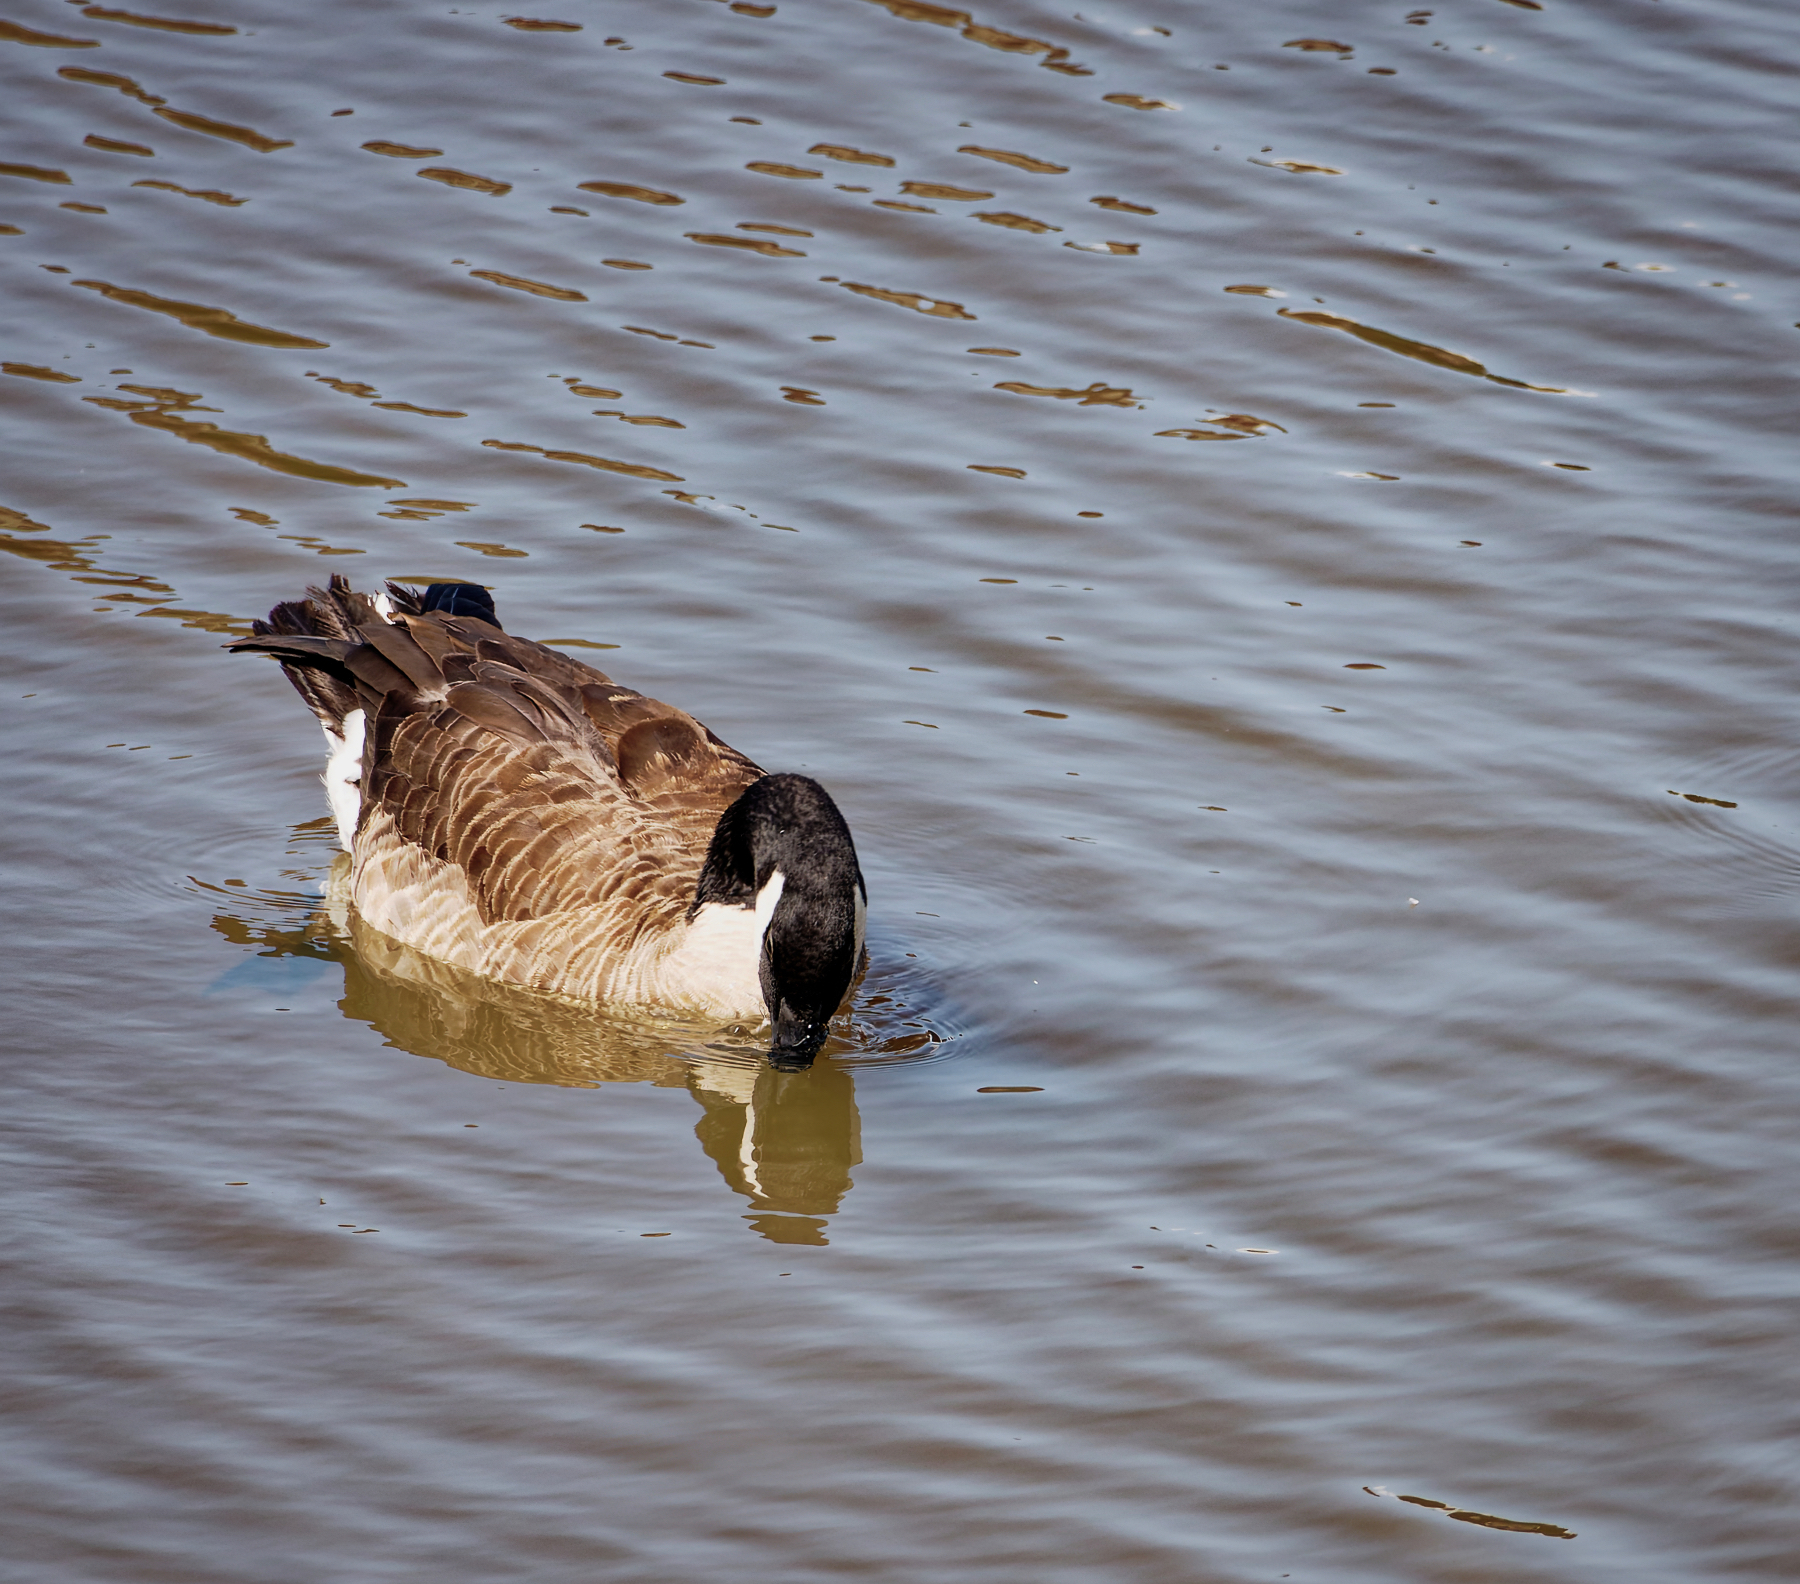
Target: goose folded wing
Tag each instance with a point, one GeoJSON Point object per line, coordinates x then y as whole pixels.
{"type": "Point", "coordinates": [507, 781]}
{"type": "Point", "coordinates": [507, 778]}
{"type": "Point", "coordinates": [663, 752]}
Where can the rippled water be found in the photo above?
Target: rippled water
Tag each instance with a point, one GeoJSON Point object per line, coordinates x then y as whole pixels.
{"type": "Point", "coordinates": [1275, 523]}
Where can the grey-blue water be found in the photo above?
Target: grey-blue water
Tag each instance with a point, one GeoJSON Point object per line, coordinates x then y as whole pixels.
{"type": "Point", "coordinates": [1276, 525]}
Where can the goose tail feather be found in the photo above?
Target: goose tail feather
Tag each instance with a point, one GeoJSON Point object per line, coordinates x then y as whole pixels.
{"type": "Point", "coordinates": [314, 639]}
{"type": "Point", "coordinates": [339, 650]}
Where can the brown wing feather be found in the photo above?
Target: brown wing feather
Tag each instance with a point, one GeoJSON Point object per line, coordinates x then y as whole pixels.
{"type": "Point", "coordinates": [399, 648]}
{"type": "Point", "coordinates": [509, 776]}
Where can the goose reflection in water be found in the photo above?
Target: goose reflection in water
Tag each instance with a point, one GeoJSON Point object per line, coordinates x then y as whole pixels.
{"type": "Point", "coordinates": [786, 1141]}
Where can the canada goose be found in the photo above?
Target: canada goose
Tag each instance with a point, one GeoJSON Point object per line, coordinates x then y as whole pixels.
{"type": "Point", "coordinates": [515, 812]}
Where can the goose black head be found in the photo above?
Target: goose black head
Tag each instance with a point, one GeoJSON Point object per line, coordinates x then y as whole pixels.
{"type": "Point", "coordinates": [783, 842]}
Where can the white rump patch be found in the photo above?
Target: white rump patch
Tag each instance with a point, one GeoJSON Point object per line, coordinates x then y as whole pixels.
{"type": "Point", "coordinates": [343, 775]}
{"type": "Point", "coordinates": [384, 607]}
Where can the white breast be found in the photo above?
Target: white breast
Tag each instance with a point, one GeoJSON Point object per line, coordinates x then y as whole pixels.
{"type": "Point", "coordinates": [717, 965]}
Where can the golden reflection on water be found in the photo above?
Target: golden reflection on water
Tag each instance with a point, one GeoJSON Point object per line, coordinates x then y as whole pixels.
{"type": "Point", "coordinates": [162, 410]}
{"type": "Point", "coordinates": [201, 316]}
{"type": "Point", "coordinates": [129, 588]}
{"type": "Point", "coordinates": [1422, 351]}
{"type": "Point", "coordinates": [160, 24]}
{"type": "Point", "coordinates": [211, 195]}
{"type": "Point", "coordinates": [1056, 56]}
{"type": "Point", "coordinates": [18, 33]}
{"type": "Point", "coordinates": [1479, 1519]}
{"type": "Point", "coordinates": [43, 173]}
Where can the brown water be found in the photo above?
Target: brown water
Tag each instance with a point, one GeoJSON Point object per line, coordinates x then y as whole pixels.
{"type": "Point", "coordinates": [1273, 580]}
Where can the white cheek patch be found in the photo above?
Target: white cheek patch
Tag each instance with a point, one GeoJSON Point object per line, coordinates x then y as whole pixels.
{"type": "Point", "coordinates": [765, 904]}
{"type": "Point", "coordinates": [343, 775]}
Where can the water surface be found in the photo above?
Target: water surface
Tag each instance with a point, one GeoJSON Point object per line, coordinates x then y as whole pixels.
{"type": "Point", "coordinates": [1275, 524]}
